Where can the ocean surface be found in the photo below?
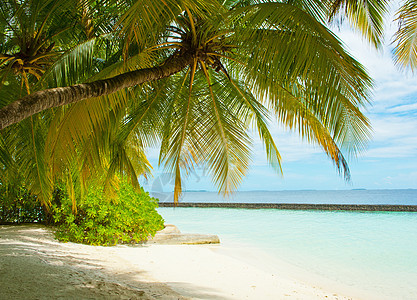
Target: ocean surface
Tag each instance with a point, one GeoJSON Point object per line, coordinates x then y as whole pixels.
{"type": "Point", "coordinates": [394, 197]}
{"type": "Point", "coordinates": [375, 252]}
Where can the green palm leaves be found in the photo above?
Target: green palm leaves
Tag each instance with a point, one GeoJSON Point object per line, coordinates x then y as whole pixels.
{"type": "Point", "coordinates": [303, 73]}
{"type": "Point", "coordinates": [30, 32]}
{"type": "Point", "coordinates": [368, 18]}
{"type": "Point", "coordinates": [210, 74]}
{"type": "Point", "coordinates": [365, 15]}
{"type": "Point", "coordinates": [406, 36]}
{"type": "Point", "coordinates": [250, 61]}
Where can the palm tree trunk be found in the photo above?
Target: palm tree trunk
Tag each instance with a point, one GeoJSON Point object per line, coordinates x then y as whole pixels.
{"type": "Point", "coordinates": [46, 99]}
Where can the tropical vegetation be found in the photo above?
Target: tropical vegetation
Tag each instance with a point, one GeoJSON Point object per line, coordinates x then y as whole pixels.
{"type": "Point", "coordinates": [18, 205]}
{"type": "Point", "coordinates": [86, 86]}
{"type": "Point", "coordinates": [130, 217]}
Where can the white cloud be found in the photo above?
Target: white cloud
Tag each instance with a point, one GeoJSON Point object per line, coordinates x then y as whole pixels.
{"type": "Point", "coordinates": [394, 136]}
{"type": "Point", "coordinates": [392, 127]}
{"type": "Point", "coordinates": [290, 145]}
{"type": "Point", "coordinates": [391, 152]}
{"type": "Point", "coordinates": [403, 108]}
{"type": "Point", "coordinates": [392, 86]}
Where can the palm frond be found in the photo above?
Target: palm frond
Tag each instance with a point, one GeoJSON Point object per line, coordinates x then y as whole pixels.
{"type": "Point", "coordinates": [294, 53]}
{"type": "Point", "coordinates": [367, 16]}
{"type": "Point", "coordinates": [30, 155]}
{"type": "Point", "coordinates": [144, 22]}
{"type": "Point", "coordinates": [261, 118]}
{"type": "Point", "coordinates": [227, 146]}
{"type": "Point", "coordinates": [71, 67]}
{"type": "Point", "coordinates": [295, 115]}
{"type": "Point", "coordinates": [406, 37]}
{"type": "Point", "coordinates": [10, 87]}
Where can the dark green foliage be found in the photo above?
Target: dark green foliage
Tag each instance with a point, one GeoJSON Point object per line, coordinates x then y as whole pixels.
{"type": "Point", "coordinates": [129, 218]}
{"type": "Point", "coordinates": [18, 205]}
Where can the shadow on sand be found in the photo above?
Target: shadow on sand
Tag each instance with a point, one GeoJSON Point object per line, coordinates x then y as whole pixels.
{"type": "Point", "coordinates": [35, 266]}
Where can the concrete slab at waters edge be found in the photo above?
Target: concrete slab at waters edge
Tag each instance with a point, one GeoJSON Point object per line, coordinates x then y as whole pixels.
{"type": "Point", "coordinates": [171, 235]}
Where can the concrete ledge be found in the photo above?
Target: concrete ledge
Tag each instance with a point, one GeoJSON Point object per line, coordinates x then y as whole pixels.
{"type": "Point", "coordinates": [297, 206]}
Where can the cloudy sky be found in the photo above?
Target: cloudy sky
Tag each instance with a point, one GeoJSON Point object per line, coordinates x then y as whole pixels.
{"type": "Point", "coordinates": [390, 161]}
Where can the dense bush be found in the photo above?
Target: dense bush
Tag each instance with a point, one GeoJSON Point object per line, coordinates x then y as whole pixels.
{"type": "Point", "coordinates": [129, 218]}
{"type": "Point", "coordinates": [18, 205]}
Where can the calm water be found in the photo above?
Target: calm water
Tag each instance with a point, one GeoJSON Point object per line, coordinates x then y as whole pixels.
{"type": "Point", "coordinates": [375, 252]}
{"type": "Point", "coordinates": [405, 197]}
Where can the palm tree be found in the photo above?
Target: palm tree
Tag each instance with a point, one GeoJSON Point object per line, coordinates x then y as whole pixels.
{"type": "Point", "coordinates": [48, 44]}
{"type": "Point", "coordinates": [31, 41]}
{"type": "Point", "coordinates": [198, 76]}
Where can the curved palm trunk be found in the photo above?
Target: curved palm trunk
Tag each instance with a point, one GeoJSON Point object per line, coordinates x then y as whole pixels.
{"type": "Point", "coordinates": [42, 100]}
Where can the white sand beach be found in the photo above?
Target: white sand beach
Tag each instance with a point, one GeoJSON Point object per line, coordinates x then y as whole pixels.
{"type": "Point", "coordinates": [35, 266]}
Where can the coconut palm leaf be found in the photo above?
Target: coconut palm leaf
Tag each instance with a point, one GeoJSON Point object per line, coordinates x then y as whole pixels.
{"type": "Point", "coordinates": [261, 118]}
{"type": "Point", "coordinates": [309, 64]}
{"type": "Point", "coordinates": [71, 67]}
{"type": "Point", "coordinates": [144, 23]}
{"type": "Point", "coordinates": [227, 144]}
{"type": "Point", "coordinates": [31, 37]}
{"type": "Point", "coordinates": [367, 16]}
{"type": "Point", "coordinates": [30, 156]}
{"type": "Point", "coordinates": [8, 166]}
{"type": "Point", "coordinates": [406, 36]}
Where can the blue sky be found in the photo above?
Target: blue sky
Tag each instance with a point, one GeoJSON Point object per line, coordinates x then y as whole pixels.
{"type": "Point", "coordinates": [389, 163]}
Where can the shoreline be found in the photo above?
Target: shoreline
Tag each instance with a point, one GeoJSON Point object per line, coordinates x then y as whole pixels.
{"type": "Point", "coordinates": [33, 265]}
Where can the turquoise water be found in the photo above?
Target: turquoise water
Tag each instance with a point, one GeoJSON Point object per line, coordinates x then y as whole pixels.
{"type": "Point", "coordinates": [404, 197]}
{"type": "Point", "coordinates": [374, 252]}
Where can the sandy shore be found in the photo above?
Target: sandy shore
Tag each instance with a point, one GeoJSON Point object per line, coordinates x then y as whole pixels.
{"type": "Point", "coordinates": [35, 266]}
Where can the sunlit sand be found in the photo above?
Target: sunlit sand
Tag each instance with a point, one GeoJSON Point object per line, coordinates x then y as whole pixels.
{"type": "Point", "coordinates": [35, 266]}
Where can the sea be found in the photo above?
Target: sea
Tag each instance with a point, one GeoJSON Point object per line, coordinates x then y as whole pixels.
{"type": "Point", "coordinates": [371, 252]}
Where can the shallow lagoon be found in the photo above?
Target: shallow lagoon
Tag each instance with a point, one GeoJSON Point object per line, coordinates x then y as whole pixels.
{"type": "Point", "coordinates": [373, 252]}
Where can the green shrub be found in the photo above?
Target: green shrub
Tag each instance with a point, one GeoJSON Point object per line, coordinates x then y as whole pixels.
{"type": "Point", "coordinates": [18, 205]}
{"type": "Point", "coordinates": [129, 218]}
